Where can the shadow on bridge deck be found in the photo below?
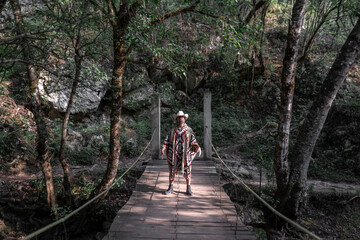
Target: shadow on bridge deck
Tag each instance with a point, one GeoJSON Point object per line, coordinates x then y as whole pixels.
{"type": "Point", "coordinates": [149, 214]}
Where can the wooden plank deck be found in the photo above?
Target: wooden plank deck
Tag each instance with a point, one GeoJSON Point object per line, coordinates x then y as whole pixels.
{"type": "Point", "coordinates": [149, 214]}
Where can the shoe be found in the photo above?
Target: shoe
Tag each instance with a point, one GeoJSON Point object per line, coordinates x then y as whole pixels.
{"type": "Point", "coordinates": [188, 191]}
{"type": "Point", "coordinates": [170, 190]}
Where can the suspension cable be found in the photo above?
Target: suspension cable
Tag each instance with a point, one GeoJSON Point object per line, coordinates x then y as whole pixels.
{"type": "Point", "coordinates": [62, 220]}
{"type": "Point", "coordinates": [296, 225]}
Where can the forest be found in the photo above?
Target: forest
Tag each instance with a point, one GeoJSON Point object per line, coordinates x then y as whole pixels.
{"type": "Point", "coordinates": [78, 77]}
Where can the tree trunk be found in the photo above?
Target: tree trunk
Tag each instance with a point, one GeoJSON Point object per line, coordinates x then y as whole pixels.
{"type": "Point", "coordinates": [119, 25]}
{"type": "Point", "coordinates": [64, 164]}
{"type": "Point", "coordinates": [287, 94]}
{"type": "Point", "coordinates": [42, 134]}
{"type": "Point", "coordinates": [315, 119]}
{"type": "Point", "coordinates": [115, 115]}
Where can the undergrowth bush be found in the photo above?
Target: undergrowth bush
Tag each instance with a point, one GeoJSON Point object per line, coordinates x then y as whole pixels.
{"type": "Point", "coordinates": [228, 123]}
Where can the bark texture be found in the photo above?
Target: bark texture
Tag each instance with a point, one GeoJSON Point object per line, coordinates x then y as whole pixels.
{"type": "Point", "coordinates": [62, 159]}
{"type": "Point", "coordinates": [287, 95]}
{"type": "Point", "coordinates": [119, 21]}
{"type": "Point", "coordinates": [34, 105]}
{"type": "Point", "coordinates": [315, 120]}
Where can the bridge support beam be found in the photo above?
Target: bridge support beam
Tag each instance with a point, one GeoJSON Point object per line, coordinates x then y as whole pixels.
{"type": "Point", "coordinates": [155, 126]}
{"type": "Point", "coordinates": [207, 125]}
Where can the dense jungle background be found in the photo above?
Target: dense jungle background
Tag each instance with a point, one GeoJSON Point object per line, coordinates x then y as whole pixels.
{"type": "Point", "coordinates": [77, 79]}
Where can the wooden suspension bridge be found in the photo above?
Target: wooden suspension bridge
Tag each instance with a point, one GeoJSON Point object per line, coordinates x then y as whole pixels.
{"type": "Point", "coordinates": [149, 214]}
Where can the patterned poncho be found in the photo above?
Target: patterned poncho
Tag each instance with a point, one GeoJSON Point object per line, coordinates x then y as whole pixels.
{"type": "Point", "coordinates": [179, 155]}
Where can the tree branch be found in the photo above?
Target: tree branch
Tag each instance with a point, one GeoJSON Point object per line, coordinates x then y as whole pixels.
{"type": "Point", "coordinates": [94, 2]}
{"type": "Point", "coordinates": [253, 11]}
{"type": "Point", "coordinates": [176, 12]}
{"type": "Point", "coordinates": [310, 43]}
{"type": "Point", "coordinates": [92, 41]}
{"type": "Point", "coordinates": [207, 14]}
{"type": "Point", "coordinates": [23, 35]}
{"type": "Point", "coordinates": [43, 66]}
{"type": "Point", "coordinates": [111, 12]}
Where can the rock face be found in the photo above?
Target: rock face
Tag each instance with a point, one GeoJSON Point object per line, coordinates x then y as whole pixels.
{"type": "Point", "coordinates": [138, 98]}
{"type": "Point", "coordinates": [135, 77]}
{"type": "Point", "coordinates": [74, 140]}
{"type": "Point", "coordinates": [167, 93]}
{"type": "Point", "coordinates": [91, 89]}
{"type": "Point", "coordinates": [192, 80]}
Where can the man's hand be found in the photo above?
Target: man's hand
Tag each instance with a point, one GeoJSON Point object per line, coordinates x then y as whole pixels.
{"type": "Point", "coordinates": [195, 148]}
{"type": "Point", "coordinates": [162, 152]}
{"type": "Point", "coordinates": [199, 151]}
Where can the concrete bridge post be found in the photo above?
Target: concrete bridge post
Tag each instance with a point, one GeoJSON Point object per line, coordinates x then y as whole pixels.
{"type": "Point", "coordinates": [155, 126]}
{"type": "Point", "coordinates": [207, 125]}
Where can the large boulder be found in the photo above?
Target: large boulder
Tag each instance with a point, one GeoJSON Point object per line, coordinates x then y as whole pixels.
{"type": "Point", "coordinates": [74, 140]}
{"type": "Point", "coordinates": [192, 79]}
{"type": "Point", "coordinates": [167, 92]}
{"type": "Point", "coordinates": [138, 98]}
{"type": "Point", "coordinates": [135, 76]}
{"type": "Point", "coordinates": [91, 89]}
{"type": "Point", "coordinates": [160, 73]}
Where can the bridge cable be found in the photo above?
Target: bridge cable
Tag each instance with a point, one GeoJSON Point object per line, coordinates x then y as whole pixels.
{"type": "Point", "coordinates": [296, 225]}
{"type": "Point", "coordinates": [62, 220]}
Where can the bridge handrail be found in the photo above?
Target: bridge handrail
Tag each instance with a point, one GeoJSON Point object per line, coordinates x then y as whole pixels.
{"type": "Point", "coordinates": [296, 225]}
{"type": "Point", "coordinates": [61, 220]}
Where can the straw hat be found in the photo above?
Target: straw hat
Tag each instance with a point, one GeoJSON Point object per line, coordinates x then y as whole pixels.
{"type": "Point", "coordinates": [181, 114]}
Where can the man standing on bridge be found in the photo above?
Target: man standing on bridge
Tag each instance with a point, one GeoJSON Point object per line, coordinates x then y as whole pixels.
{"type": "Point", "coordinates": [181, 147]}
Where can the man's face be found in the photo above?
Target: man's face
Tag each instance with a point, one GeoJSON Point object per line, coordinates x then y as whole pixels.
{"type": "Point", "coordinates": [180, 120]}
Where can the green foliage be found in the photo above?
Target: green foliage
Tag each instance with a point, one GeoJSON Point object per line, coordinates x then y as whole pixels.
{"type": "Point", "coordinates": [84, 156]}
{"type": "Point", "coordinates": [55, 137]}
{"type": "Point", "coordinates": [62, 211]}
{"type": "Point", "coordinates": [228, 122]}
{"type": "Point", "coordinates": [5, 147]}
{"type": "Point", "coordinates": [328, 168]}
{"type": "Point", "coordinates": [87, 187]}
{"type": "Point", "coordinates": [81, 154]}
{"type": "Point", "coordinates": [267, 164]}
{"type": "Point", "coordinates": [129, 145]}
{"type": "Point", "coordinates": [119, 183]}
{"type": "Point", "coordinates": [39, 185]}
{"type": "Point", "coordinates": [15, 140]}
{"type": "Point", "coordinates": [348, 94]}
{"type": "Point", "coordinates": [142, 127]}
